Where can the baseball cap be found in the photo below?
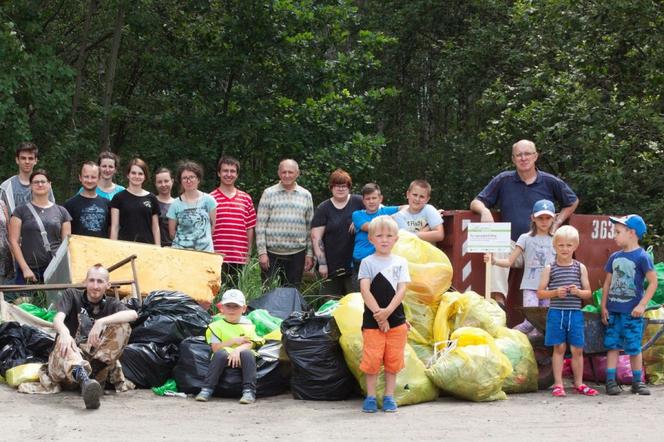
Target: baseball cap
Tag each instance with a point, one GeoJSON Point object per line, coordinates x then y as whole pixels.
{"type": "Point", "coordinates": [634, 222]}
{"type": "Point", "coordinates": [544, 207]}
{"type": "Point", "coordinates": [233, 296]}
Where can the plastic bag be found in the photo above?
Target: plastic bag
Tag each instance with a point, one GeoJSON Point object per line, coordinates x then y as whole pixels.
{"type": "Point", "coordinates": [39, 312]}
{"type": "Point", "coordinates": [348, 314]}
{"type": "Point", "coordinates": [420, 316]}
{"type": "Point", "coordinates": [192, 366]}
{"type": "Point", "coordinates": [280, 302]}
{"type": "Point", "coordinates": [653, 357]}
{"type": "Point", "coordinates": [327, 308]}
{"type": "Point", "coordinates": [468, 309]}
{"type": "Point", "coordinates": [148, 365]}
{"type": "Point", "coordinates": [472, 367]}
{"type": "Point", "coordinates": [264, 322]}
{"type": "Point", "coordinates": [319, 370]}
{"type": "Point", "coordinates": [23, 373]}
{"type": "Point", "coordinates": [169, 385]}
{"type": "Point", "coordinates": [22, 344]}
{"type": "Point", "coordinates": [429, 268]}
{"type": "Point", "coordinates": [168, 317]}
{"type": "Point", "coordinates": [413, 386]}
{"type": "Point", "coordinates": [516, 346]}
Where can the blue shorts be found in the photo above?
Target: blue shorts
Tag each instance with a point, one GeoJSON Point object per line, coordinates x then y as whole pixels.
{"type": "Point", "coordinates": [624, 332]}
{"type": "Point", "coordinates": [564, 326]}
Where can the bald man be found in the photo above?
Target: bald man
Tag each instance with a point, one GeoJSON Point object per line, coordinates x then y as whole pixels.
{"type": "Point", "coordinates": [514, 192]}
{"type": "Point", "coordinates": [92, 333]}
{"type": "Point", "coordinates": [283, 227]}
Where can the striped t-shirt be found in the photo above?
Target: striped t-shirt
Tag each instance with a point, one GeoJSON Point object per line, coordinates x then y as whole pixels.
{"type": "Point", "coordinates": [561, 276]}
{"type": "Point", "coordinates": [235, 216]}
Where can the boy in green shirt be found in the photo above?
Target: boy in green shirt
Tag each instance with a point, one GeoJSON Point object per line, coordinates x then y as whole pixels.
{"type": "Point", "coordinates": [232, 339]}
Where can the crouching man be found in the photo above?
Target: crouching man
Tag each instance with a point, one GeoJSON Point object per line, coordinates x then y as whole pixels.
{"type": "Point", "coordinates": [92, 331]}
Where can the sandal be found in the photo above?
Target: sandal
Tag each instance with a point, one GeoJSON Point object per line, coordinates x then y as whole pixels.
{"type": "Point", "coordinates": [559, 391]}
{"type": "Point", "coordinates": [586, 390]}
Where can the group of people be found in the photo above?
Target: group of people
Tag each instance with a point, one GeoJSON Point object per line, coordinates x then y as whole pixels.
{"type": "Point", "coordinates": [349, 236]}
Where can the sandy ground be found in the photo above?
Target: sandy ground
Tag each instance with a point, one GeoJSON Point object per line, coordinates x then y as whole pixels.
{"type": "Point", "coordinates": [140, 415]}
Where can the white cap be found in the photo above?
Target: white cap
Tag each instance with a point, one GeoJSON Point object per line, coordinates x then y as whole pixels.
{"type": "Point", "coordinates": [233, 296]}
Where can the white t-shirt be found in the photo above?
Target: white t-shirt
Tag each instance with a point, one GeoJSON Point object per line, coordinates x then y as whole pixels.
{"type": "Point", "coordinates": [414, 222]}
{"type": "Point", "coordinates": [537, 254]}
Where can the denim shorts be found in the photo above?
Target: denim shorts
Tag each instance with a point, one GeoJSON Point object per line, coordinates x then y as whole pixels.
{"type": "Point", "coordinates": [624, 332]}
{"type": "Point", "coordinates": [564, 326]}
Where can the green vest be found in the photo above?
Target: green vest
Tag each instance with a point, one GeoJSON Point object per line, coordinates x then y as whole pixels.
{"type": "Point", "coordinates": [224, 331]}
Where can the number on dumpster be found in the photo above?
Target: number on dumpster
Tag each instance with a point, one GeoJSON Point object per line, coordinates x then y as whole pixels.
{"type": "Point", "coordinates": [602, 229]}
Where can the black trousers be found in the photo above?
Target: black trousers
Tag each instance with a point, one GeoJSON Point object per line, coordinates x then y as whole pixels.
{"type": "Point", "coordinates": [219, 363]}
{"type": "Point", "coordinates": [288, 267]}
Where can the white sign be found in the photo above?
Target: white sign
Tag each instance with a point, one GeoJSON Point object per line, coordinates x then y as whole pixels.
{"type": "Point", "coordinates": [489, 238]}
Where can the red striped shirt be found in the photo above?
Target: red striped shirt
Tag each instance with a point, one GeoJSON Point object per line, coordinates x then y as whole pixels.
{"type": "Point", "coordinates": [234, 217]}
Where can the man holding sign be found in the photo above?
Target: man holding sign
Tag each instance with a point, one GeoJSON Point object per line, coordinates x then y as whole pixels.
{"type": "Point", "coordinates": [514, 192]}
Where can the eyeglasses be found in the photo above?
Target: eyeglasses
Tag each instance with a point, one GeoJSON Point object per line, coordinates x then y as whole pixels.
{"type": "Point", "coordinates": [39, 182]}
{"type": "Point", "coordinates": [340, 186]}
{"type": "Point", "coordinates": [524, 154]}
{"type": "Point", "coordinates": [189, 178]}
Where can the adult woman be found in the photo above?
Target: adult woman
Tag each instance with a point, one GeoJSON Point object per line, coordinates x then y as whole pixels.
{"type": "Point", "coordinates": [333, 237]}
{"type": "Point", "coordinates": [108, 164]}
{"type": "Point", "coordinates": [135, 211]}
{"type": "Point", "coordinates": [163, 182]}
{"type": "Point", "coordinates": [192, 215]}
{"type": "Point", "coordinates": [36, 230]}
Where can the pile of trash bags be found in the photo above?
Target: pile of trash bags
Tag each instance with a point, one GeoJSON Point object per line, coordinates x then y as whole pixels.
{"type": "Point", "coordinates": [20, 345]}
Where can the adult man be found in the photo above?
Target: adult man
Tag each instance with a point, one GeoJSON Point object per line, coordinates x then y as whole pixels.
{"type": "Point", "coordinates": [236, 218]}
{"type": "Point", "coordinates": [15, 191]}
{"type": "Point", "coordinates": [92, 333]}
{"type": "Point", "coordinates": [514, 192]}
{"type": "Point", "coordinates": [285, 211]}
{"type": "Point", "coordinates": [90, 212]}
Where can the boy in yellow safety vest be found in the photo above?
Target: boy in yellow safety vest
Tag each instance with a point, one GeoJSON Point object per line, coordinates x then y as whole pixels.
{"type": "Point", "coordinates": [232, 339]}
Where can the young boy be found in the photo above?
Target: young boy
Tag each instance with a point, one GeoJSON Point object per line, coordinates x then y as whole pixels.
{"type": "Point", "coordinates": [232, 338]}
{"type": "Point", "coordinates": [566, 283]}
{"type": "Point", "coordinates": [383, 279]}
{"type": "Point", "coordinates": [419, 217]}
{"type": "Point", "coordinates": [624, 300]}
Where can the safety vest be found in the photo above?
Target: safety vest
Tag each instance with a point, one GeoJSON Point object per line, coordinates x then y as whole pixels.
{"type": "Point", "coordinates": [224, 330]}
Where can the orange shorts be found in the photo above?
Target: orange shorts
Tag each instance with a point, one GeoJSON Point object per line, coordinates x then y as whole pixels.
{"type": "Point", "coordinates": [383, 349]}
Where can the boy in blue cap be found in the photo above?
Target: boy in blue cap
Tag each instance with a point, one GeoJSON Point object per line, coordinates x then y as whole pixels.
{"type": "Point", "coordinates": [624, 300]}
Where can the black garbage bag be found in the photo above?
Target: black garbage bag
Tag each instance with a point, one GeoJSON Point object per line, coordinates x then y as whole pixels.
{"type": "Point", "coordinates": [319, 369]}
{"type": "Point", "coordinates": [168, 317]}
{"type": "Point", "coordinates": [148, 365]}
{"type": "Point", "coordinates": [280, 302]}
{"type": "Point", "coordinates": [191, 369]}
{"type": "Point", "coordinates": [22, 344]}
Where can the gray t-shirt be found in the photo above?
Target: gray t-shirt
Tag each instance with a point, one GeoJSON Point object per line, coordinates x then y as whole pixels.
{"type": "Point", "coordinates": [32, 244]}
{"type": "Point", "coordinates": [414, 222]}
{"type": "Point", "coordinates": [20, 193]}
{"type": "Point", "coordinates": [537, 254]}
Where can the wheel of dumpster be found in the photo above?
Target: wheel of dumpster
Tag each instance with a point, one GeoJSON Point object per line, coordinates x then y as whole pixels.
{"type": "Point", "coordinates": [544, 367]}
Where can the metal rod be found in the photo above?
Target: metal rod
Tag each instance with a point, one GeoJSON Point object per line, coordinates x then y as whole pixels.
{"type": "Point", "coordinates": [36, 287]}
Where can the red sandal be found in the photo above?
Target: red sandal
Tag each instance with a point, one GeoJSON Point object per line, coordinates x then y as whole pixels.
{"type": "Point", "coordinates": [586, 390]}
{"type": "Point", "coordinates": [558, 391]}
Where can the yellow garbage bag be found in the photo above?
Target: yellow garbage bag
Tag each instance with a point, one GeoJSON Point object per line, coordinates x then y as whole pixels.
{"type": "Point", "coordinates": [274, 335]}
{"type": "Point", "coordinates": [348, 313]}
{"type": "Point", "coordinates": [516, 346]}
{"type": "Point", "coordinates": [466, 309]}
{"type": "Point", "coordinates": [653, 357]}
{"type": "Point", "coordinates": [413, 386]}
{"type": "Point", "coordinates": [429, 268]}
{"type": "Point", "coordinates": [23, 373]}
{"type": "Point", "coordinates": [471, 367]}
{"type": "Point", "coordinates": [420, 316]}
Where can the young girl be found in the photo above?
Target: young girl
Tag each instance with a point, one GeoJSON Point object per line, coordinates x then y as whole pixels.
{"type": "Point", "coordinates": [135, 211]}
{"type": "Point", "coordinates": [163, 182]}
{"type": "Point", "coordinates": [537, 250]}
{"type": "Point", "coordinates": [565, 283]}
{"type": "Point", "coordinates": [192, 215]}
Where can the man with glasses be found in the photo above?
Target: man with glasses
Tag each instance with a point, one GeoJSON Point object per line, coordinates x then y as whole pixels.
{"type": "Point", "coordinates": [514, 192]}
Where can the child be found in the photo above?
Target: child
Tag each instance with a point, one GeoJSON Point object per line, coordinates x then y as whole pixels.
{"type": "Point", "coordinates": [419, 217]}
{"type": "Point", "coordinates": [624, 300]}
{"type": "Point", "coordinates": [537, 249]}
{"type": "Point", "coordinates": [383, 279]}
{"type": "Point", "coordinates": [565, 282]}
{"type": "Point", "coordinates": [232, 337]}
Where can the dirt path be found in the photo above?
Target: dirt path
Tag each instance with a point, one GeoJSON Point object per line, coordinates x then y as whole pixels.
{"type": "Point", "coordinates": [140, 415]}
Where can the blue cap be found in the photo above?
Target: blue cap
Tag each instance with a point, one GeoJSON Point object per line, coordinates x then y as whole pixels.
{"type": "Point", "coordinates": [634, 222]}
{"type": "Point", "coordinates": [544, 207]}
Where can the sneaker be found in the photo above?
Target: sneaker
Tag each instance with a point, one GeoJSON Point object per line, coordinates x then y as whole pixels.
{"type": "Point", "coordinates": [248, 397]}
{"type": "Point", "coordinates": [612, 388]}
{"type": "Point", "coordinates": [369, 405]}
{"type": "Point", "coordinates": [640, 389]}
{"type": "Point", "coordinates": [91, 392]}
{"type": "Point", "coordinates": [389, 405]}
{"type": "Point", "coordinates": [204, 395]}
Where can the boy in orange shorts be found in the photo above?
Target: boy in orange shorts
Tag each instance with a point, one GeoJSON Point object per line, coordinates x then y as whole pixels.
{"type": "Point", "coordinates": [383, 278]}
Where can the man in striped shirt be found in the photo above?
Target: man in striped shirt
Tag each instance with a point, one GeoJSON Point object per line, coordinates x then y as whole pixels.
{"type": "Point", "coordinates": [284, 225]}
{"type": "Point", "coordinates": [236, 219]}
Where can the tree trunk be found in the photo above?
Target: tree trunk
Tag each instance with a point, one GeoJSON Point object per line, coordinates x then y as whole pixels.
{"type": "Point", "coordinates": [110, 78]}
